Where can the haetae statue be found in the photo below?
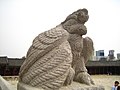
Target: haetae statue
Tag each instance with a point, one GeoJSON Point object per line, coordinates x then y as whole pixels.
{"type": "Point", "coordinates": [82, 48]}
{"type": "Point", "coordinates": [58, 56]}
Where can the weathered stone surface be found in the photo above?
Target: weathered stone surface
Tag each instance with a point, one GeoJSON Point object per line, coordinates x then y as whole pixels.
{"type": "Point", "coordinates": [82, 48]}
{"type": "Point", "coordinates": [73, 86]}
{"type": "Point", "coordinates": [58, 56]}
{"type": "Point", "coordinates": [22, 86]}
{"type": "Point", "coordinates": [78, 86]}
{"type": "Point", "coordinates": [4, 85]}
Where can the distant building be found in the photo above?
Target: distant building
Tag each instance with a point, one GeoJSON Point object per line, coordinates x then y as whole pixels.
{"type": "Point", "coordinates": [118, 56]}
{"type": "Point", "coordinates": [99, 54]}
{"type": "Point", "coordinates": [111, 55]}
{"type": "Point", "coordinates": [105, 58]}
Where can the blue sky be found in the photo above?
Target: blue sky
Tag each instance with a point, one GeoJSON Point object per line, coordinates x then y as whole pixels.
{"type": "Point", "coordinates": [22, 20]}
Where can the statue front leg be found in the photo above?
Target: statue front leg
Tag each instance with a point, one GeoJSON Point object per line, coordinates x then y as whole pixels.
{"type": "Point", "coordinates": [84, 78]}
{"type": "Point", "coordinates": [70, 77]}
{"type": "Point", "coordinates": [81, 74]}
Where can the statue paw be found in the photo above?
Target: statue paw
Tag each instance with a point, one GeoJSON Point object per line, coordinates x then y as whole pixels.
{"type": "Point", "coordinates": [70, 77]}
{"type": "Point", "coordinates": [84, 78]}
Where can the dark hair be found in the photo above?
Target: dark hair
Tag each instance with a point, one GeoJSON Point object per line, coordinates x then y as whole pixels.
{"type": "Point", "coordinates": [116, 82]}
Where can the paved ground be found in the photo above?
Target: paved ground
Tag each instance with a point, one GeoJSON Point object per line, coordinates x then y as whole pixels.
{"type": "Point", "coordinates": [106, 80]}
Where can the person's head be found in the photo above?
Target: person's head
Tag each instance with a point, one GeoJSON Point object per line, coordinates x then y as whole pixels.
{"type": "Point", "coordinates": [116, 83]}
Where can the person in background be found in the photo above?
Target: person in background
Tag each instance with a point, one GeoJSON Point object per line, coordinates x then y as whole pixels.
{"type": "Point", "coordinates": [115, 85]}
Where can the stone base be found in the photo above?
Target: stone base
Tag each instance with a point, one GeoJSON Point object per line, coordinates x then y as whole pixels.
{"type": "Point", "coordinates": [73, 86]}
{"type": "Point", "coordinates": [78, 86]}
{"type": "Point", "coordinates": [22, 86]}
{"type": "Point", "coordinates": [4, 85]}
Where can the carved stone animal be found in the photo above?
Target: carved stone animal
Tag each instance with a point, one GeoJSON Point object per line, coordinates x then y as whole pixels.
{"type": "Point", "coordinates": [82, 48]}
{"type": "Point", "coordinates": [56, 55]}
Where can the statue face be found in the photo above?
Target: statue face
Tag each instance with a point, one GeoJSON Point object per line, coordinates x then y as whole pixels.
{"type": "Point", "coordinates": [83, 16]}
{"type": "Point", "coordinates": [82, 31]}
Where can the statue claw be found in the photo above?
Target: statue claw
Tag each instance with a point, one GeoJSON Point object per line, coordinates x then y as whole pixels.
{"type": "Point", "coordinates": [84, 78]}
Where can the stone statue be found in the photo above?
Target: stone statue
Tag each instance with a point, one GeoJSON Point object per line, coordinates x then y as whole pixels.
{"type": "Point", "coordinates": [58, 56]}
{"type": "Point", "coordinates": [82, 48]}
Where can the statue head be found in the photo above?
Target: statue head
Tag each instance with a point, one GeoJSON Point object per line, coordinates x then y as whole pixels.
{"type": "Point", "coordinates": [82, 16]}
{"type": "Point", "coordinates": [74, 23]}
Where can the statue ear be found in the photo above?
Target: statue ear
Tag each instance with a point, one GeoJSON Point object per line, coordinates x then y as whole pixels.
{"type": "Point", "coordinates": [85, 10]}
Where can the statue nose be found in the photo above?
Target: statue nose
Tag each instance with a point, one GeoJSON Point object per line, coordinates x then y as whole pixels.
{"type": "Point", "coordinates": [83, 14]}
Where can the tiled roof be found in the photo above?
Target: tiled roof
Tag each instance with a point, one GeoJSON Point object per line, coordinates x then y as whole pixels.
{"type": "Point", "coordinates": [15, 61]}
{"type": "Point", "coordinates": [3, 60]}
{"type": "Point", "coordinates": [103, 63]}
{"type": "Point", "coordinates": [11, 61]}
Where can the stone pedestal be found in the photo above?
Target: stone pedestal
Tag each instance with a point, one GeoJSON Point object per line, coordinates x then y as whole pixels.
{"type": "Point", "coordinates": [78, 86]}
{"type": "Point", "coordinates": [4, 85]}
{"type": "Point", "coordinates": [22, 86]}
{"type": "Point", "coordinates": [73, 86]}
